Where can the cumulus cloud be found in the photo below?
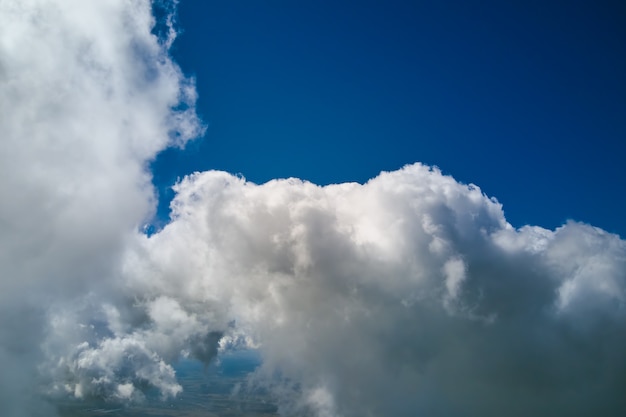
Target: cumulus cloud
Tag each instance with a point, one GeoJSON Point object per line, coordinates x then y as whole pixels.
{"type": "Point", "coordinates": [408, 295]}
{"type": "Point", "coordinates": [88, 95]}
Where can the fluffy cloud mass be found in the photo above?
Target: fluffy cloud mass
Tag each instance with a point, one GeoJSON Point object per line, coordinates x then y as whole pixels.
{"type": "Point", "coordinates": [408, 295]}
{"type": "Point", "coordinates": [87, 94]}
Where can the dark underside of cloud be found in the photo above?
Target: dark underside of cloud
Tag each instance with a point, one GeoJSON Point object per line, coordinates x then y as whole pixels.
{"type": "Point", "coordinates": [408, 295]}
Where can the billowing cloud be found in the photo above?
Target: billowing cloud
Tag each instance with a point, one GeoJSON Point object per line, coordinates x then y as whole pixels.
{"type": "Point", "coordinates": [88, 95]}
{"type": "Point", "coordinates": [408, 295]}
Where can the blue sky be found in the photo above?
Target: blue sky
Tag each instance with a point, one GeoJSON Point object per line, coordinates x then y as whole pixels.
{"type": "Point", "coordinates": [525, 99]}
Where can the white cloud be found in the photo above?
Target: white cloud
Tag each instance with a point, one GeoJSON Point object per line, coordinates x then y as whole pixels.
{"type": "Point", "coordinates": [408, 295]}
{"type": "Point", "coordinates": [86, 98]}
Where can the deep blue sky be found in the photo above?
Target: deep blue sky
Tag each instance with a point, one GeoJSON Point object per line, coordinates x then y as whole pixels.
{"type": "Point", "coordinates": [526, 99]}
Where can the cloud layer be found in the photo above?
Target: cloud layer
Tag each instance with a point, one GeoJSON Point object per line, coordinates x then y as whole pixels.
{"type": "Point", "coordinates": [408, 295]}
